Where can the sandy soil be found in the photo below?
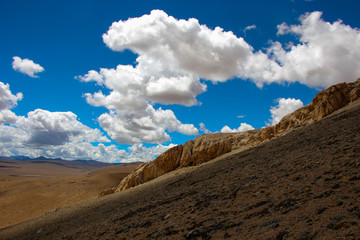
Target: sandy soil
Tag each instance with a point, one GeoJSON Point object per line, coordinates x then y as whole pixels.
{"type": "Point", "coordinates": [304, 185]}
{"type": "Point", "coordinates": [24, 197]}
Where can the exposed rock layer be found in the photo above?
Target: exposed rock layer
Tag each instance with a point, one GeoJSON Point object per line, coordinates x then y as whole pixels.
{"type": "Point", "coordinates": [210, 146]}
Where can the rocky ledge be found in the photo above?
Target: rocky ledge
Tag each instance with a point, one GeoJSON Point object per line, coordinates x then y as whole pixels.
{"type": "Point", "coordinates": [209, 146]}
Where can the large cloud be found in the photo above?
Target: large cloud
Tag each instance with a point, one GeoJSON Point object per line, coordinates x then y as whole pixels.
{"type": "Point", "coordinates": [57, 128]}
{"type": "Point", "coordinates": [171, 49]}
{"type": "Point", "coordinates": [284, 107]}
{"type": "Point", "coordinates": [133, 86]}
{"type": "Point", "coordinates": [26, 66]}
{"type": "Point", "coordinates": [180, 44]}
{"type": "Point", "coordinates": [148, 125]}
{"type": "Point", "coordinates": [132, 118]}
{"type": "Point", "coordinates": [42, 128]}
{"type": "Point", "coordinates": [328, 53]}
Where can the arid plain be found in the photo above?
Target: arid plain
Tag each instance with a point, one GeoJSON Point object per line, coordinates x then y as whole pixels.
{"type": "Point", "coordinates": [29, 189]}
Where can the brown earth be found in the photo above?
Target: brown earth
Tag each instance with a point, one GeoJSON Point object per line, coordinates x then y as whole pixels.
{"type": "Point", "coordinates": [303, 185]}
{"type": "Point", "coordinates": [29, 190]}
{"type": "Point", "coordinates": [209, 146]}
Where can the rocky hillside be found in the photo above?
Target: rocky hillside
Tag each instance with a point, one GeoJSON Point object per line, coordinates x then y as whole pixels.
{"type": "Point", "coordinates": [304, 185]}
{"type": "Point", "coordinates": [210, 146]}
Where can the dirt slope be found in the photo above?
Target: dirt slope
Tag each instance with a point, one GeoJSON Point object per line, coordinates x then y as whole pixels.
{"type": "Point", "coordinates": [304, 185]}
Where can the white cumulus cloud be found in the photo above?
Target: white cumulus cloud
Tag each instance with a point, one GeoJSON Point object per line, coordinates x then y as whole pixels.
{"type": "Point", "coordinates": [56, 128]}
{"type": "Point", "coordinates": [328, 53]}
{"type": "Point", "coordinates": [180, 44]}
{"type": "Point", "coordinates": [26, 66]}
{"type": "Point", "coordinates": [284, 107]}
{"type": "Point", "coordinates": [242, 128]}
{"type": "Point", "coordinates": [132, 118]}
{"type": "Point", "coordinates": [148, 125]}
{"type": "Point", "coordinates": [173, 50]}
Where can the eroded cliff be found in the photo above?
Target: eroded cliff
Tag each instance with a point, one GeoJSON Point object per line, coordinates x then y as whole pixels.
{"type": "Point", "coordinates": [210, 146]}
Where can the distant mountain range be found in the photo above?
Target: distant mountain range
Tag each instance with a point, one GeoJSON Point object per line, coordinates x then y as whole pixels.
{"type": "Point", "coordinates": [38, 158]}
{"type": "Point", "coordinates": [84, 165]}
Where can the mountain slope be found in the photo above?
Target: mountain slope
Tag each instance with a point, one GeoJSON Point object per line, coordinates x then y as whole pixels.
{"type": "Point", "coordinates": [303, 185]}
{"type": "Point", "coordinates": [209, 146]}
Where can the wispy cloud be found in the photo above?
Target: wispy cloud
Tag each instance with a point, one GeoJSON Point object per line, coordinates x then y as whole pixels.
{"type": "Point", "coordinates": [248, 28]}
{"type": "Point", "coordinates": [204, 129]}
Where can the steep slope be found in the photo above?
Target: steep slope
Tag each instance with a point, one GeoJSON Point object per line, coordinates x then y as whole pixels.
{"type": "Point", "coordinates": [303, 185]}
{"type": "Point", "coordinates": [210, 146]}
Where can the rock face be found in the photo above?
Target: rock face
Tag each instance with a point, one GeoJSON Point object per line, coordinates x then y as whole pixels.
{"type": "Point", "coordinates": [210, 146]}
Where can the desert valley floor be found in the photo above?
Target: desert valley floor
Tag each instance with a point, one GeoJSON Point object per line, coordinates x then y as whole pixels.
{"type": "Point", "coordinates": [29, 189]}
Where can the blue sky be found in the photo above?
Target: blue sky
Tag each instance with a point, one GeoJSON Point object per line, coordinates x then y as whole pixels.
{"type": "Point", "coordinates": [163, 80]}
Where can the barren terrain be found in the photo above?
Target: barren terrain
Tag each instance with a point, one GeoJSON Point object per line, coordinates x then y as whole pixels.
{"type": "Point", "coordinates": [30, 189]}
{"type": "Point", "coordinates": [303, 185]}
